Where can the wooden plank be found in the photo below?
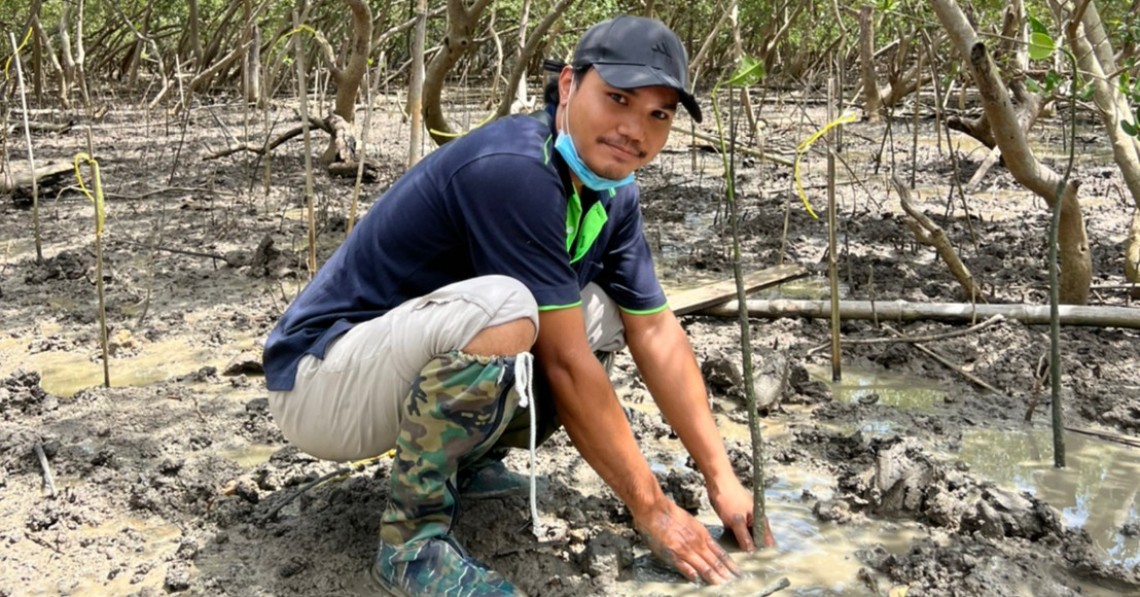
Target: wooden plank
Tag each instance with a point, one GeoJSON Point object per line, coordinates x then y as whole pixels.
{"type": "Point", "coordinates": [716, 293]}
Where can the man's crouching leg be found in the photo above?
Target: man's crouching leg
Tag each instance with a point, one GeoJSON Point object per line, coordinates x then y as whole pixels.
{"type": "Point", "coordinates": [456, 411]}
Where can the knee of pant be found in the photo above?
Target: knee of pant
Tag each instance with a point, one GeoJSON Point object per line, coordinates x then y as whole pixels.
{"type": "Point", "coordinates": [510, 298]}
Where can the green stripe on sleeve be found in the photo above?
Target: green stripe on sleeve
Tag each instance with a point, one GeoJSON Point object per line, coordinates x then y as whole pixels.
{"type": "Point", "coordinates": [558, 307]}
{"type": "Point", "coordinates": [643, 311]}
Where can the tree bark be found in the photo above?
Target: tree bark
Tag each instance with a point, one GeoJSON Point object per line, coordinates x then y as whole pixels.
{"type": "Point", "coordinates": [1076, 262]}
{"type": "Point", "coordinates": [194, 31]}
{"type": "Point", "coordinates": [1132, 254]}
{"type": "Point", "coordinates": [901, 83]}
{"type": "Point", "coordinates": [81, 56]}
{"type": "Point", "coordinates": [932, 235]}
{"type": "Point", "coordinates": [522, 60]}
{"type": "Point", "coordinates": [348, 79]}
{"type": "Point", "coordinates": [461, 23]}
{"type": "Point", "coordinates": [68, 66]}
{"type": "Point", "coordinates": [528, 51]}
{"type": "Point", "coordinates": [416, 86]}
{"type": "Point", "coordinates": [872, 106]}
{"type": "Point", "coordinates": [1091, 47]}
{"type": "Point", "coordinates": [49, 51]}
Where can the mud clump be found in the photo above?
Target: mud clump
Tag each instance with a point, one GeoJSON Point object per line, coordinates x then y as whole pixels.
{"type": "Point", "coordinates": [903, 480]}
{"type": "Point", "coordinates": [66, 265]}
{"type": "Point", "coordinates": [973, 568]}
{"type": "Point", "coordinates": [22, 396]}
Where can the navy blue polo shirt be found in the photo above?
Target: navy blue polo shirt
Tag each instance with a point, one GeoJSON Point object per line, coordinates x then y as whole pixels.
{"type": "Point", "coordinates": [496, 201]}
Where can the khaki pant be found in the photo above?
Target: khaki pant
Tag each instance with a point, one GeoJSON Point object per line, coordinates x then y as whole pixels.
{"type": "Point", "coordinates": [347, 405]}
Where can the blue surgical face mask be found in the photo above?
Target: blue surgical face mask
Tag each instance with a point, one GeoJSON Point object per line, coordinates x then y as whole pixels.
{"type": "Point", "coordinates": [564, 144]}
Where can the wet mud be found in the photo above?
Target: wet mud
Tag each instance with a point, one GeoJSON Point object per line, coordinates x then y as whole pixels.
{"type": "Point", "coordinates": [901, 476]}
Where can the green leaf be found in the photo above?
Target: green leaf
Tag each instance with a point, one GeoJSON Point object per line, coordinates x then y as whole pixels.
{"type": "Point", "coordinates": [1052, 81]}
{"type": "Point", "coordinates": [1036, 26]}
{"type": "Point", "coordinates": [1129, 128]}
{"type": "Point", "coordinates": [749, 73]}
{"type": "Point", "coordinates": [1040, 45]}
{"type": "Point", "coordinates": [1033, 86]}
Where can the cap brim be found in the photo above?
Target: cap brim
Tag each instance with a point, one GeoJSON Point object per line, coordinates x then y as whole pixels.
{"type": "Point", "coordinates": [632, 76]}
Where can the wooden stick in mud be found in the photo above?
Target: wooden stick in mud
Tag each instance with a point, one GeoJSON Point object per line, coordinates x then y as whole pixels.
{"type": "Point", "coordinates": [1074, 315]}
{"type": "Point", "coordinates": [342, 471]}
{"type": "Point", "coordinates": [916, 339]}
{"type": "Point", "coordinates": [945, 361]}
{"type": "Point", "coordinates": [49, 482]}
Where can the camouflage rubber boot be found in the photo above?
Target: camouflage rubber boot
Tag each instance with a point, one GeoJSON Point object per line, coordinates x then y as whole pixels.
{"type": "Point", "coordinates": [455, 412]}
{"type": "Point", "coordinates": [489, 478]}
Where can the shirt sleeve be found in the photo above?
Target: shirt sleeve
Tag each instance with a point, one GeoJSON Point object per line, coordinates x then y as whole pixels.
{"type": "Point", "coordinates": [627, 273]}
{"type": "Point", "coordinates": [513, 209]}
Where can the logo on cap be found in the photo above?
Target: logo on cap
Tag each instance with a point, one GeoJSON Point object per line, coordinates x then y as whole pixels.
{"type": "Point", "coordinates": [663, 49]}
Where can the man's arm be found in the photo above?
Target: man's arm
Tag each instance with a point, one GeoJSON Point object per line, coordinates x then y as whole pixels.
{"type": "Point", "coordinates": [666, 362]}
{"type": "Point", "coordinates": [595, 422]}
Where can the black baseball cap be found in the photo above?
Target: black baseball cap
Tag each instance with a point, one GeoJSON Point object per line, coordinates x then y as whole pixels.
{"type": "Point", "coordinates": [630, 52]}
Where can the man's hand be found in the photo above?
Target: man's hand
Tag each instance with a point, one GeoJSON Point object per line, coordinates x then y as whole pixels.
{"type": "Point", "coordinates": [733, 504]}
{"type": "Point", "coordinates": [685, 544]}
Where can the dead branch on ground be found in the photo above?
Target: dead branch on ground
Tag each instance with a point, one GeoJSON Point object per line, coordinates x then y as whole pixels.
{"type": "Point", "coordinates": [931, 234]}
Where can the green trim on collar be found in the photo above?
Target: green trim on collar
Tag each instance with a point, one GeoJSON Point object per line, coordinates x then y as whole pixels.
{"type": "Point", "coordinates": [582, 230]}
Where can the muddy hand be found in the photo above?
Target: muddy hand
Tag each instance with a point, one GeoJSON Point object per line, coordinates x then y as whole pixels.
{"type": "Point", "coordinates": [685, 544]}
{"type": "Point", "coordinates": [733, 504]}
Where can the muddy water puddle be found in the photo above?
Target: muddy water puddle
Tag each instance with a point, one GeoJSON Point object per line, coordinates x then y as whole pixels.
{"type": "Point", "coordinates": [64, 373]}
{"type": "Point", "coordinates": [818, 558]}
{"type": "Point", "coordinates": [249, 455]}
{"type": "Point", "coordinates": [867, 386]}
{"type": "Point", "coordinates": [71, 368]}
{"type": "Point", "coordinates": [1097, 490]}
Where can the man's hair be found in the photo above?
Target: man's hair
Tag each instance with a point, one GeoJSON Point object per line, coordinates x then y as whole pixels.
{"type": "Point", "coordinates": [550, 92]}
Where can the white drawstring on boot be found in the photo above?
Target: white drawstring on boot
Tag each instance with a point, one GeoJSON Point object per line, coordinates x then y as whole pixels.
{"type": "Point", "coordinates": [524, 374]}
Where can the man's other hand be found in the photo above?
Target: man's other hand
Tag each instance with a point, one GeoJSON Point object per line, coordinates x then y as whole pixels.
{"type": "Point", "coordinates": [733, 504]}
{"type": "Point", "coordinates": [685, 544]}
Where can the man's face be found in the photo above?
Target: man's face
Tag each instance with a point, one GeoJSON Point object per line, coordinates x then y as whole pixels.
{"type": "Point", "coordinates": [616, 131]}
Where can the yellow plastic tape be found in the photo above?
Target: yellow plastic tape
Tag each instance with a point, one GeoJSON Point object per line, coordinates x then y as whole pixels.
{"type": "Point", "coordinates": [97, 198]}
{"type": "Point", "coordinates": [436, 133]}
{"type": "Point", "coordinates": [8, 62]}
{"type": "Point", "coordinates": [803, 148]}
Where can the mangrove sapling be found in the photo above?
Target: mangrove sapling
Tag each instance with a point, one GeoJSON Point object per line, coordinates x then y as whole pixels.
{"type": "Point", "coordinates": [832, 245]}
{"type": "Point", "coordinates": [750, 72]}
{"type": "Point", "coordinates": [97, 200]}
{"type": "Point", "coordinates": [28, 138]}
{"type": "Point", "coordinates": [303, 97]}
{"type": "Point", "coordinates": [1040, 47]}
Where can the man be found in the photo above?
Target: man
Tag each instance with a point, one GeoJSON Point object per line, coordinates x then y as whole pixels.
{"type": "Point", "coordinates": [524, 235]}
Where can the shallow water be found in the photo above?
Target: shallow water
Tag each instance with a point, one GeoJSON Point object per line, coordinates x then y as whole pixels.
{"type": "Point", "coordinates": [818, 558]}
{"type": "Point", "coordinates": [882, 387]}
{"type": "Point", "coordinates": [1096, 491]}
{"type": "Point", "coordinates": [65, 372]}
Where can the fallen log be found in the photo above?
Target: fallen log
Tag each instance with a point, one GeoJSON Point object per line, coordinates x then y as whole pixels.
{"type": "Point", "coordinates": [1072, 315]}
{"type": "Point", "coordinates": [19, 177]}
